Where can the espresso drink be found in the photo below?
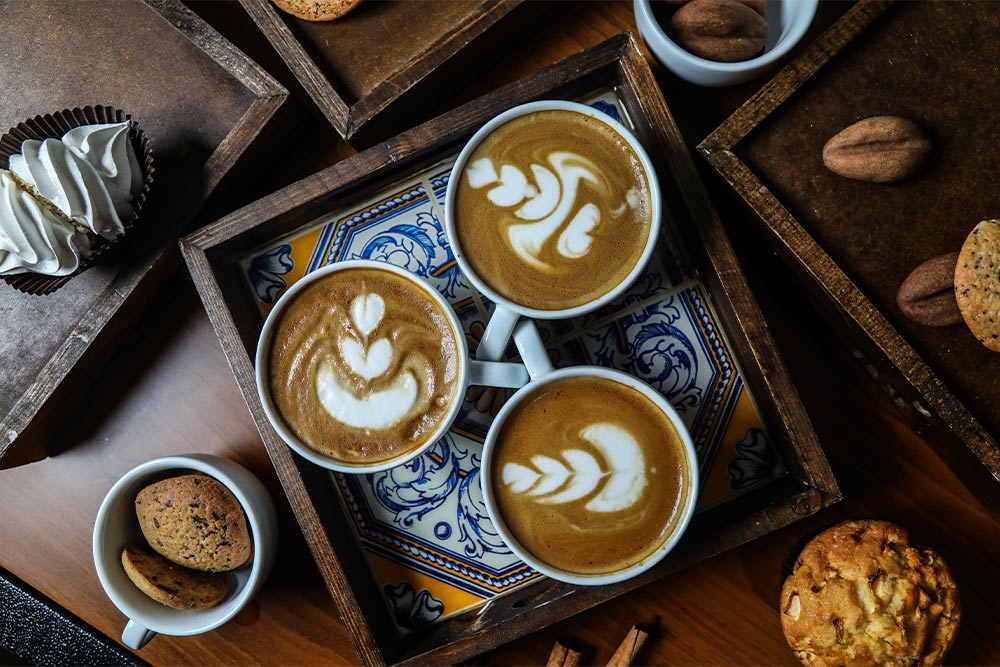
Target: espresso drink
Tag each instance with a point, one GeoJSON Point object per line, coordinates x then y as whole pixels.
{"type": "Point", "coordinates": [589, 475]}
{"type": "Point", "coordinates": [552, 209]}
{"type": "Point", "coordinates": [363, 365]}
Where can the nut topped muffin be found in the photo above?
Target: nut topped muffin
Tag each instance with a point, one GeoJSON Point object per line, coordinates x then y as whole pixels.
{"type": "Point", "coordinates": [859, 594]}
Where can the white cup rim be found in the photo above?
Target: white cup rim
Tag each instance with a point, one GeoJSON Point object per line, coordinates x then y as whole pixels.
{"type": "Point", "coordinates": [686, 512]}
{"type": "Point", "coordinates": [263, 356]}
{"type": "Point", "coordinates": [261, 537]}
{"type": "Point", "coordinates": [655, 209]}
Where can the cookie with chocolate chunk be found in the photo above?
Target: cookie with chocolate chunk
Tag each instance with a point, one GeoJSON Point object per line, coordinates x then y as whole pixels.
{"type": "Point", "coordinates": [317, 10]}
{"type": "Point", "coordinates": [172, 584]}
{"type": "Point", "coordinates": [195, 521]}
{"type": "Point", "coordinates": [859, 594]}
{"type": "Point", "coordinates": [977, 283]}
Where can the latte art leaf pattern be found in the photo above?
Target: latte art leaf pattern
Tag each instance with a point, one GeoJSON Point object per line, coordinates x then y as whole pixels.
{"type": "Point", "coordinates": [552, 204]}
{"type": "Point", "coordinates": [554, 482]}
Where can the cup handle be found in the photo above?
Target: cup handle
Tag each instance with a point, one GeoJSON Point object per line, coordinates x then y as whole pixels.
{"type": "Point", "coordinates": [135, 636]}
{"type": "Point", "coordinates": [497, 374]}
{"type": "Point", "coordinates": [497, 334]}
{"type": "Point", "coordinates": [532, 350]}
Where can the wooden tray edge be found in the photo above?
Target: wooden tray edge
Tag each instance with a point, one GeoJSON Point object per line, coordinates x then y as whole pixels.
{"type": "Point", "coordinates": [800, 248]}
{"type": "Point", "coordinates": [346, 118]}
{"type": "Point", "coordinates": [88, 341]}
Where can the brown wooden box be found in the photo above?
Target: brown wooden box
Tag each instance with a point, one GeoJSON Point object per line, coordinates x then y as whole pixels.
{"type": "Point", "coordinates": [201, 102]}
{"type": "Point", "coordinates": [355, 66]}
{"type": "Point", "coordinates": [854, 243]}
{"type": "Point", "coordinates": [212, 255]}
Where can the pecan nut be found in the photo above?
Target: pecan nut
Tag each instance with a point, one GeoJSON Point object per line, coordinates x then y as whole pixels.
{"type": "Point", "coordinates": [927, 296]}
{"type": "Point", "coordinates": [880, 149]}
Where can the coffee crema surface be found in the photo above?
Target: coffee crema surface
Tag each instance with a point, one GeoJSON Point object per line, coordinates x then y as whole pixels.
{"type": "Point", "coordinates": [363, 365]}
{"type": "Point", "coordinates": [589, 475]}
{"type": "Point", "coordinates": [553, 209]}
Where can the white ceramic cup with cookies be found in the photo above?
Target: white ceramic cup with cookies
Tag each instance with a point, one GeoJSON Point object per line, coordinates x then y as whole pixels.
{"type": "Point", "coordinates": [117, 525]}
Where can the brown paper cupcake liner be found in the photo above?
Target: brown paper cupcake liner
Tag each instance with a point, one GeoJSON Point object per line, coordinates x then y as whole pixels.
{"type": "Point", "coordinates": [54, 126]}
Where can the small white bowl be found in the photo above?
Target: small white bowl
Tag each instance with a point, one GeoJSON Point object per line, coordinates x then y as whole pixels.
{"type": "Point", "coordinates": [787, 22]}
{"type": "Point", "coordinates": [117, 525]}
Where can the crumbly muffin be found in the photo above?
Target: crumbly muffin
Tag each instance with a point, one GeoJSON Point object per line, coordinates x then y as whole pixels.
{"type": "Point", "coordinates": [195, 521]}
{"type": "Point", "coordinates": [859, 594]}
{"type": "Point", "coordinates": [171, 584]}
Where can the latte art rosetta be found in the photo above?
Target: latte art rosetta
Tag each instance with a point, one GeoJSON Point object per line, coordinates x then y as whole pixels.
{"type": "Point", "coordinates": [552, 209]}
{"type": "Point", "coordinates": [549, 202]}
{"type": "Point", "coordinates": [588, 474]}
{"type": "Point", "coordinates": [363, 367]}
{"type": "Point", "coordinates": [622, 479]}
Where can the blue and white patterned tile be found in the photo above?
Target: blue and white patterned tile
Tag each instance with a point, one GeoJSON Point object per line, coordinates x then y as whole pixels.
{"type": "Point", "coordinates": [429, 515]}
{"type": "Point", "coordinates": [266, 272]}
{"type": "Point", "coordinates": [674, 344]}
{"type": "Point", "coordinates": [402, 228]}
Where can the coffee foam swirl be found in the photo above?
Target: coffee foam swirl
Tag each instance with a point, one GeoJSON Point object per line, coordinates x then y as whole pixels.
{"type": "Point", "coordinates": [589, 475]}
{"type": "Point", "coordinates": [622, 477]}
{"type": "Point", "coordinates": [362, 367]}
{"type": "Point", "coordinates": [553, 209]}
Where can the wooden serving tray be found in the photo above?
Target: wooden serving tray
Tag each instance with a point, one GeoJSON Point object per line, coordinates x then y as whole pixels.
{"type": "Point", "coordinates": [856, 242]}
{"type": "Point", "coordinates": [694, 295]}
{"type": "Point", "coordinates": [355, 66]}
{"type": "Point", "coordinates": [201, 102]}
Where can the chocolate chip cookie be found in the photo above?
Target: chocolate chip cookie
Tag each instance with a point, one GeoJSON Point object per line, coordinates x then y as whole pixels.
{"type": "Point", "coordinates": [194, 521]}
{"type": "Point", "coordinates": [169, 583]}
{"type": "Point", "coordinates": [859, 594]}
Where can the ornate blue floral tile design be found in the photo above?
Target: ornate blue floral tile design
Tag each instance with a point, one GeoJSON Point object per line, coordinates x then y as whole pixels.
{"type": "Point", "coordinates": [430, 516]}
{"type": "Point", "coordinates": [265, 272]}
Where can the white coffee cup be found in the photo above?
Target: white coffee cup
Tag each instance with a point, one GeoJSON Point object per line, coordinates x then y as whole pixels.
{"type": "Point", "coordinates": [536, 359]}
{"type": "Point", "coordinates": [470, 371]}
{"type": "Point", "coordinates": [117, 525]}
{"type": "Point", "coordinates": [507, 312]}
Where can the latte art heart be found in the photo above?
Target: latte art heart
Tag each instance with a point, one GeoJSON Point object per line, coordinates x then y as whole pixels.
{"type": "Point", "coordinates": [367, 368]}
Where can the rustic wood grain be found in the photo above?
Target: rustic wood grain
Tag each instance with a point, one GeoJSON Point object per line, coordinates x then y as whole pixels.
{"type": "Point", "coordinates": [355, 82]}
{"type": "Point", "coordinates": [168, 389]}
{"type": "Point", "coordinates": [886, 338]}
{"type": "Point", "coordinates": [102, 303]}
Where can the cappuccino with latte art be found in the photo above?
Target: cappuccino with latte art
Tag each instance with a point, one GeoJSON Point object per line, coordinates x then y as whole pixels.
{"type": "Point", "coordinates": [363, 367]}
{"type": "Point", "coordinates": [553, 209]}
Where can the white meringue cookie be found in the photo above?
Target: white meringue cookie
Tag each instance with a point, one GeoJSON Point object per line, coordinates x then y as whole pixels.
{"type": "Point", "coordinates": [33, 238]}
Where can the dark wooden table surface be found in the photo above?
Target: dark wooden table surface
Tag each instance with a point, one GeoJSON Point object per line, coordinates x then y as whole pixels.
{"type": "Point", "coordinates": [168, 390]}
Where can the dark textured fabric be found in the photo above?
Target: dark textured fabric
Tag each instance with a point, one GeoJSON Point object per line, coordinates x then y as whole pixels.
{"type": "Point", "coordinates": [38, 632]}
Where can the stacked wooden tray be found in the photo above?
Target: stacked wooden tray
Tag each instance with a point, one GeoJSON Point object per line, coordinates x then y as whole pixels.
{"type": "Point", "coordinates": [355, 66]}
{"type": "Point", "coordinates": [424, 581]}
{"type": "Point", "coordinates": [201, 102]}
{"type": "Point", "coordinates": [854, 243]}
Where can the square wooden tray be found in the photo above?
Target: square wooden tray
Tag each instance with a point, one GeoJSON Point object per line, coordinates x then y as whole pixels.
{"type": "Point", "coordinates": [855, 243]}
{"type": "Point", "coordinates": [201, 102]}
{"type": "Point", "coordinates": [241, 263]}
{"type": "Point", "coordinates": [357, 65]}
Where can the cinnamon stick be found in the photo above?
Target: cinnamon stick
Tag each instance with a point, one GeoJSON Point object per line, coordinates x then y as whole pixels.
{"type": "Point", "coordinates": [558, 656]}
{"type": "Point", "coordinates": [629, 648]}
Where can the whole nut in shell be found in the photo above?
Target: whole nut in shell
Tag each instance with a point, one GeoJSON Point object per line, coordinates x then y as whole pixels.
{"type": "Point", "coordinates": [879, 149]}
{"type": "Point", "coordinates": [927, 296]}
{"type": "Point", "coordinates": [721, 30]}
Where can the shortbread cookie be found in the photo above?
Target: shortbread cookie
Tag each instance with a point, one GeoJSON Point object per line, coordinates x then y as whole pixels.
{"type": "Point", "coordinates": [977, 283]}
{"type": "Point", "coordinates": [169, 583]}
{"type": "Point", "coordinates": [317, 10]}
{"type": "Point", "coordinates": [859, 594]}
{"type": "Point", "coordinates": [194, 521]}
